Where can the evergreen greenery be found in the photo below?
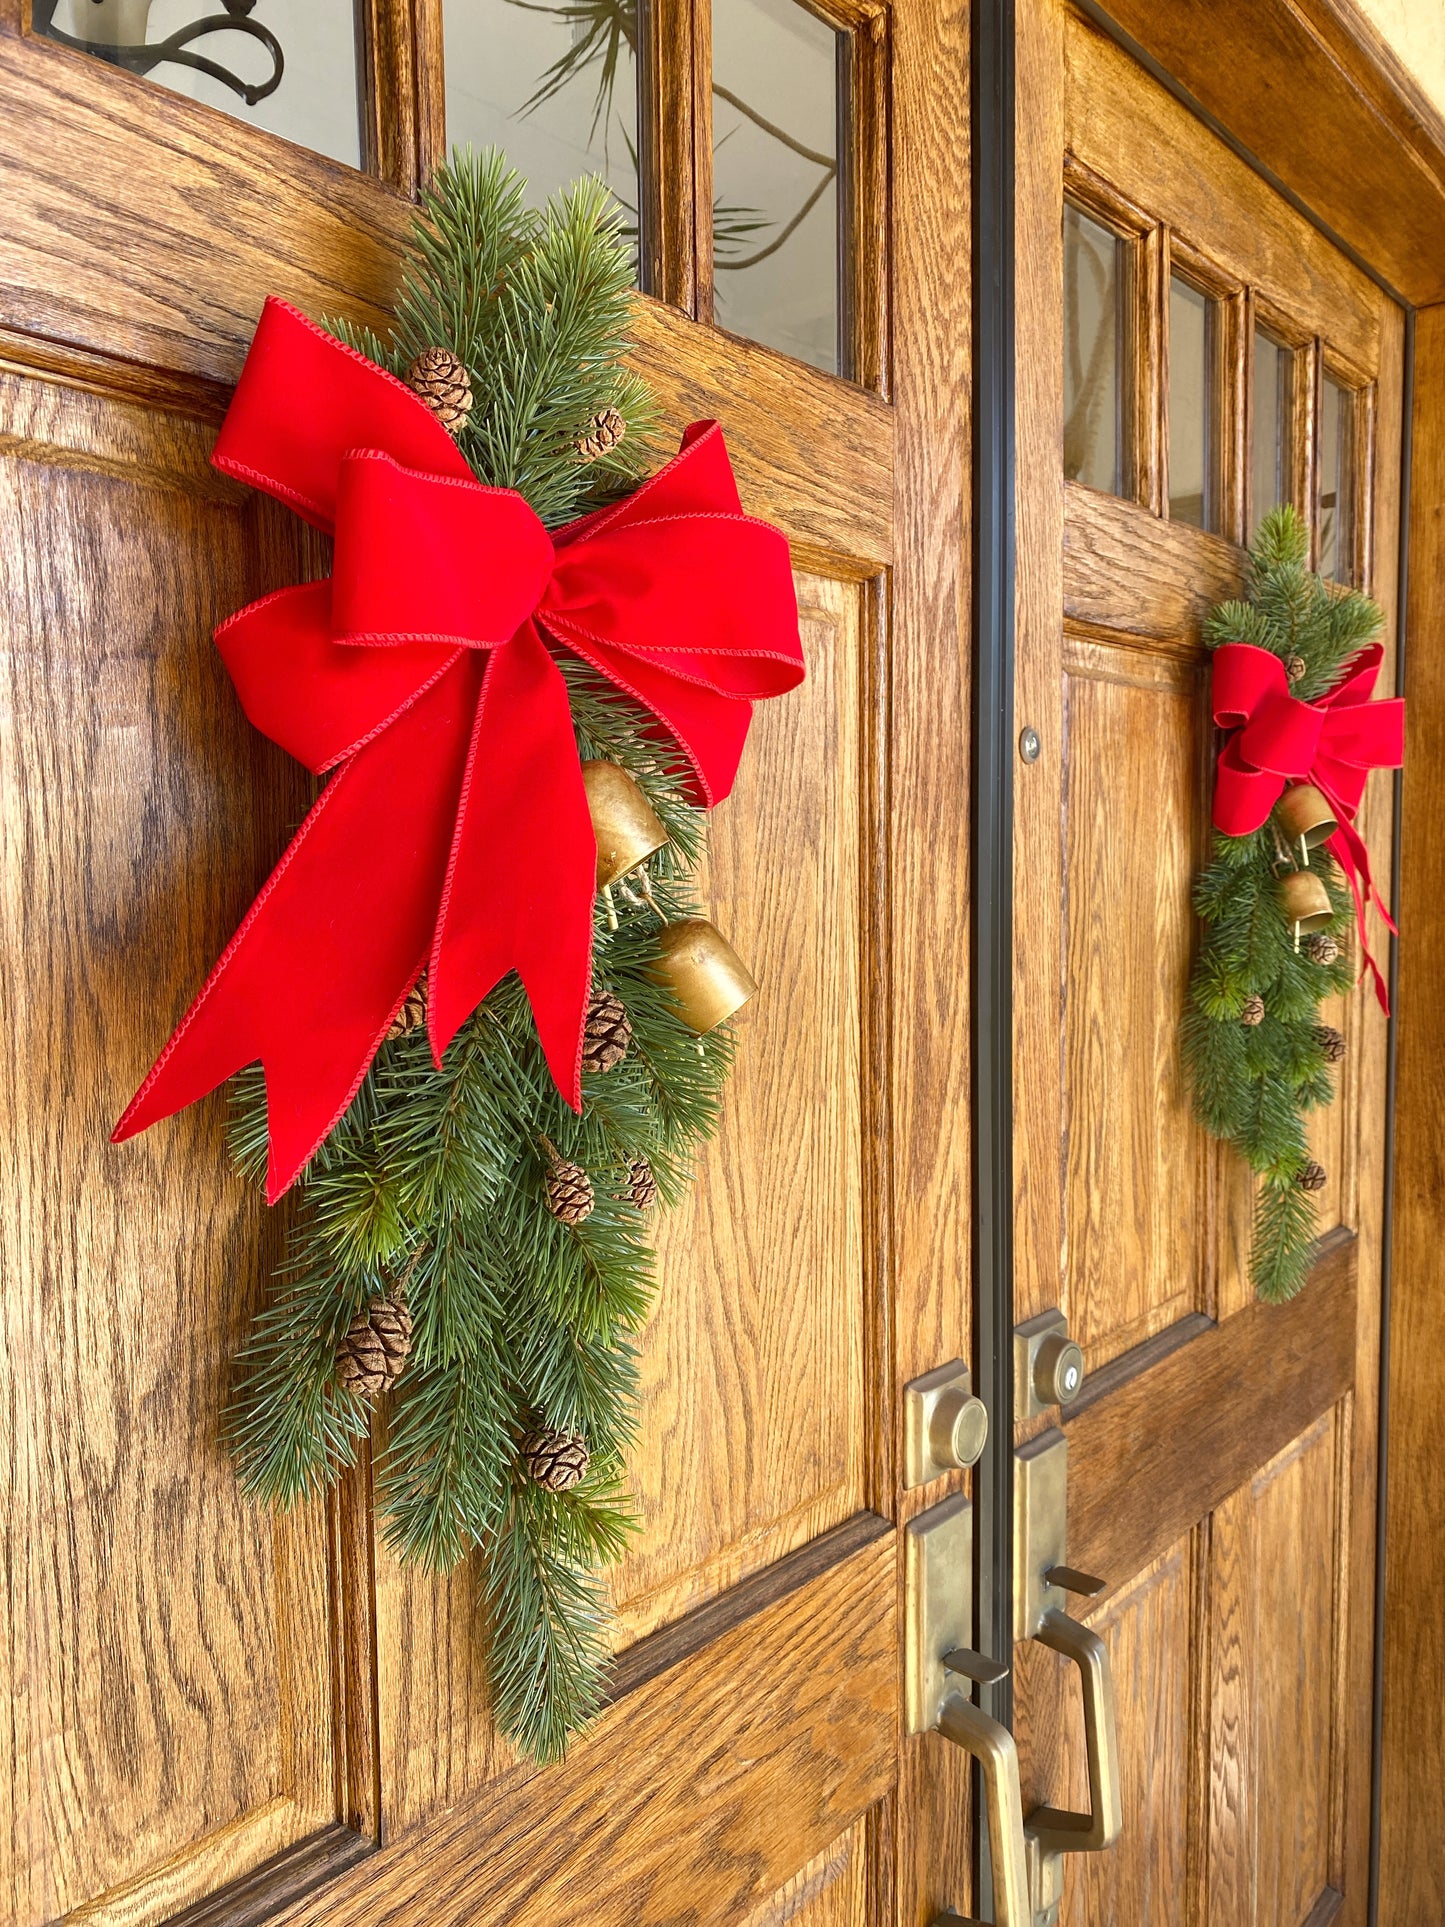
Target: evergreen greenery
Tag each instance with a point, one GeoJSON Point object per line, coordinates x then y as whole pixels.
{"type": "Point", "coordinates": [1254, 1084]}
{"type": "Point", "coordinates": [432, 1183]}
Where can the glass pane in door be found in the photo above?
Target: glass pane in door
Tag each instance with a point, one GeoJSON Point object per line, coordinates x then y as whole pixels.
{"type": "Point", "coordinates": [1193, 405]}
{"type": "Point", "coordinates": [553, 83]}
{"type": "Point", "coordinates": [290, 69]}
{"type": "Point", "coordinates": [779, 88]}
{"type": "Point", "coordinates": [1337, 481]}
{"type": "Point", "coordinates": [1093, 353]}
{"type": "Point", "coordinates": [1272, 427]}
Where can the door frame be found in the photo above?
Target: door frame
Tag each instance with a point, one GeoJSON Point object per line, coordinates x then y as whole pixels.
{"type": "Point", "coordinates": [1360, 153]}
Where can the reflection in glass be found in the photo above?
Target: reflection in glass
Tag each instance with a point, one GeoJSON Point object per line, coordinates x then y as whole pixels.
{"type": "Point", "coordinates": [290, 69]}
{"type": "Point", "coordinates": [551, 82]}
{"type": "Point", "coordinates": [1193, 437]}
{"type": "Point", "coordinates": [778, 84]}
{"type": "Point", "coordinates": [1337, 481]}
{"type": "Point", "coordinates": [1273, 413]}
{"type": "Point", "coordinates": [1093, 351]}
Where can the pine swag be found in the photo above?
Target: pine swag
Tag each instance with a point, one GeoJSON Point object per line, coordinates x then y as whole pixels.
{"type": "Point", "coordinates": [1257, 1056]}
{"type": "Point", "coordinates": [468, 1247]}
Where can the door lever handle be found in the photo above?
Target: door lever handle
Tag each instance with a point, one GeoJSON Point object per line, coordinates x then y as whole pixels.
{"type": "Point", "coordinates": [992, 1745]}
{"type": "Point", "coordinates": [1050, 1830]}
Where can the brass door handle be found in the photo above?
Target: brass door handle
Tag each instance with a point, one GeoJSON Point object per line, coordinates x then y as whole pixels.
{"type": "Point", "coordinates": [993, 1747]}
{"type": "Point", "coordinates": [1049, 1831]}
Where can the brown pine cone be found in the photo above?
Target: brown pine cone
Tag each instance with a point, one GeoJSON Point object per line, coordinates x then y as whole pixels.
{"type": "Point", "coordinates": [1253, 1011]}
{"type": "Point", "coordinates": [1331, 1042]}
{"type": "Point", "coordinates": [603, 434]}
{"type": "Point", "coordinates": [369, 1360]}
{"type": "Point", "coordinates": [1295, 668]}
{"type": "Point", "coordinates": [569, 1190]}
{"type": "Point", "coordinates": [609, 1033]}
{"type": "Point", "coordinates": [557, 1460]}
{"type": "Point", "coordinates": [1322, 948]}
{"type": "Point", "coordinates": [641, 1187]}
{"type": "Point", "coordinates": [412, 1014]}
{"type": "Point", "coordinates": [442, 381]}
{"type": "Point", "coordinates": [1312, 1176]}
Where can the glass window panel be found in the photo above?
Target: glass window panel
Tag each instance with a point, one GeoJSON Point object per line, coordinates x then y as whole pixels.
{"type": "Point", "coordinates": [1093, 352]}
{"type": "Point", "coordinates": [778, 74]}
{"type": "Point", "coordinates": [1272, 427]}
{"type": "Point", "coordinates": [300, 60]}
{"type": "Point", "coordinates": [1337, 481]}
{"type": "Point", "coordinates": [553, 83]}
{"type": "Point", "coordinates": [1193, 406]}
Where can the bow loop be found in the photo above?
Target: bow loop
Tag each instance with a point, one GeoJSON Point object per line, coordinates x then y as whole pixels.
{"type": "Point", "coordinates": [455, 831]}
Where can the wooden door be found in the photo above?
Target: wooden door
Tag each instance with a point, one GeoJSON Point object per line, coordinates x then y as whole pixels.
{"type": "Point", "coordinates": [1190, 349]}
{"type": "Point", "coordinates": [218, 1714]}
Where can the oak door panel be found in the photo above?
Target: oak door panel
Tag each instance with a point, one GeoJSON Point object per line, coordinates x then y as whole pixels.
{"type": "Point", "coordinates": [169, 1649]}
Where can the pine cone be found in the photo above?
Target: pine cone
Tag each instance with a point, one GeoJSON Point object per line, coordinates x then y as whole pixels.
{"type": "Point", "coordinates": [1331, 1042]}
{"type": "Point", "coordinates": [370, 1358]}
{"type": "Point", "coordinates": [442, 381]}
{"type": "Point", "coordinates": [1321, 948]}
{"type": "Point", "coordinates": [569, 1190]}
{"type": "Point", "coordinates": [1253, 1011]}
{"type": "Point", "coordinates": [608, 1035]}
{"type": "Point", "coordinates": [604, 432]}
{"type": "Point", "coordinates": [1295, 668]}
{"type": "Point", "coordinates": [641, 1187]}
{"type": "Point", "coordinates": [1312, 1176]}
{"type": "Point", "coordinates": [412, 1014]}
{"type": "Point", "coordinates": [557, 1460]}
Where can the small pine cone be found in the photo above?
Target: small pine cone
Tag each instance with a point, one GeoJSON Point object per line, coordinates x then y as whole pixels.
{"type": "Point", "coordinates": [604, 432]}
{"type": "Point", "coordinates": [1253, 1011]}
{"type": "Point", "coordinates": [412, 1014]}
{"type": "Point", "coordinates": [608, 1035]}
{"type": "Point", "coordinates": [1312, 1176]}
{"type": "Point", "coordinates": [557, 1460]}
{"type": "Point", "coordinates": [1322, 948]}
{"type": "Point", "coordinates": [641, 1187]}
{"type": "Point", "coordinates": [1295, 668]}
{"type": "Point", "coordinates": [569, 1191]}
{"type": "Point", "coordinates": [1331, 1042]}
{"type": "Point", "coordinates": [370, 1358]}
{"type": "Point", "coordinates": [442, 381]}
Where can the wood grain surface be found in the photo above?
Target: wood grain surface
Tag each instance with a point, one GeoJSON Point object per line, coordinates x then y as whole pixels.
{"type": "Point", "coordinates": [1412, 1853]}
{"type": "Point", "coordinates": [1211, 1428]}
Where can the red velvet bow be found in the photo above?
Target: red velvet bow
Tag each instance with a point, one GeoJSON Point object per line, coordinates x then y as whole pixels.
{"type": "Point", "coordinates": [1333, 743]}
{"type": "Point", "coordinates": [454, 834]}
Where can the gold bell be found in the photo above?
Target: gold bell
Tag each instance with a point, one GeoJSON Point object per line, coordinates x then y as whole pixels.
{"type": "Point", "coordinates": [626, 825]}
{"type": "Point", "coordinates": [1306, 901]}
{"type": "Point", "coordinates": [1306, 817]}
{"type": "Point", "coordinates": [705, 974]}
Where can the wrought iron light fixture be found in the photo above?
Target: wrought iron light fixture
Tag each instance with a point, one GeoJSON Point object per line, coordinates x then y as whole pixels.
{"type": "Point", "coordinates": [115, 30]}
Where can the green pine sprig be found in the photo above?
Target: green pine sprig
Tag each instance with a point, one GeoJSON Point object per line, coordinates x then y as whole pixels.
{"type": "Point", "coordinates": [1254, 1084]}
{"type": "Point", "coordinates": [433, 1183]}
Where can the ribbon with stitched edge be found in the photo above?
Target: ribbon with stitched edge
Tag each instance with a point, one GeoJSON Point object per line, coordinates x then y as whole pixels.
{"type": "Point", "coordinates": [1277, 739]}
{"type": "Point", "coordinates": [453, 834]}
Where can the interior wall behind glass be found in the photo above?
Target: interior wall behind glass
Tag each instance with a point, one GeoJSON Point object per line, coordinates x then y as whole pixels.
{"type": "Point", "coordinates": [553, 85]}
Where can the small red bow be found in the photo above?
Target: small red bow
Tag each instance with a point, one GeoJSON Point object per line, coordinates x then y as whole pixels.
{"type": "Point", "coordinates": [455, 834]}
{"type": "Point", "coordinates": [1333, 743]}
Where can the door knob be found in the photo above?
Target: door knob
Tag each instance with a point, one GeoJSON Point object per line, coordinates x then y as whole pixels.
{"type": "Point", "coordinates": [944, 1425]}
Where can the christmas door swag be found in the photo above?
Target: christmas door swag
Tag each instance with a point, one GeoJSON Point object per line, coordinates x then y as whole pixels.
{"type": "Point", "coordinates": [1293, 672]}
{"type": "Point", "coordinates": [475, 1012]}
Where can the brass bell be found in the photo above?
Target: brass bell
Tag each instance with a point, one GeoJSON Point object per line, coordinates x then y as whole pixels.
{"type": "Point", "coordinates": [626, 825]}
{"type": "Point", "coordinates": [1306, 817]}
{"type": "Point", "coordinates": [705, 974]}
{"type": "Point", "coordinates": [1306, 901]}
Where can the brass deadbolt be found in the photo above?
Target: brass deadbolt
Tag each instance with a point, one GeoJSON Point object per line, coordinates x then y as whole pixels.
{"type": "Point", "coordinates": [958, 1431]}
{"type": "Point", "coordinates": [1058, 1370]}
